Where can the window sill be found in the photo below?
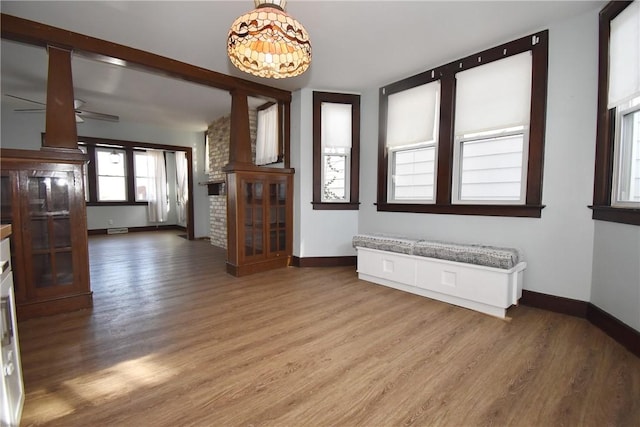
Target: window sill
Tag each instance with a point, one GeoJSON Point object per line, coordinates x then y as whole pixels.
{"type": "Point", "coordinates": [324, 206]}
{"type": "Point", "coordinates": [531, 211]}
{"type": "Point", "coordinates": [620, 215]}
{"type": "Point", "coordinates": [117, 203]}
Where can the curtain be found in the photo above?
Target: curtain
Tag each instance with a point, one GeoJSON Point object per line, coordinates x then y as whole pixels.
{"type": "Point", "coordinates": [158, 207]}
{"type": "Point", "coordinates": [182, 186]}
{"type": "Point", "coordinates": [267, 136]}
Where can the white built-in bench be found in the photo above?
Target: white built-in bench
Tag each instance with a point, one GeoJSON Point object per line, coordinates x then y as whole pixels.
{"type": "Point", "coordinates": [487, 279]}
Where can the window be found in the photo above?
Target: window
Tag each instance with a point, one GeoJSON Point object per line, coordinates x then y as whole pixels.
{"type": "Point", "coordinates": [267, 135]}
{"type": "Point", "coordinates": [336, 150]}
{"type": "Point", "coordinates": [111, 174]}
{"type": "Point", "coordinates": [491, 167]}
{"type": "Point", "coordinates": [121, 173]}
{"type": "Point", "coordinates": [467, 137]}
{"type": "Point", "coordinates": [143, 176]}
{"type": "Point", "coordinates": [413, 173]}
{"type": "Point", "coordinates": [627, 155]}
{"type": "Point", "coordinates": [493, 105]}
{"type": "Point", "coordinates": [617, 171]}
{"type": "Point", "coordinates": [411, 140]}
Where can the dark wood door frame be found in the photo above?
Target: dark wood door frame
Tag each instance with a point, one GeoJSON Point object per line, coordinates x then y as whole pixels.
{"type": "Point", "coordinates": [188, 153]}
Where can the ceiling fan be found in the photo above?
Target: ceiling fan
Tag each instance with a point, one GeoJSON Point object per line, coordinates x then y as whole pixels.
{"type": "Point", "coordinates": [81, 114]}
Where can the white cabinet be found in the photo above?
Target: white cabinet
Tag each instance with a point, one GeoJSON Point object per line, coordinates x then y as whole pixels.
{"type": "Point", "coordinates": [12, 397]}
{"type": "Point", "coordinates": [485, 289]}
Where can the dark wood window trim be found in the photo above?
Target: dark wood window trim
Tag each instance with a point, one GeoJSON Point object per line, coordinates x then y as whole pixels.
{"type": "Point", "coordinates": [129, 147]}
{"type": "Point", "coordinates": [354, 192]}
{"type": "Point", "coordinates": [603, 176]}
{"type": "Point", "coordinates": [130, 178]}
{"type": "Point", "coordinates": [446, 74]}
{"type": "Point", "coordinates": [92, 174]}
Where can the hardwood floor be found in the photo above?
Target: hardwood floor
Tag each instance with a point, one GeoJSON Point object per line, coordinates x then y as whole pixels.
{"type": "Point", "coordinates": [173, 340]}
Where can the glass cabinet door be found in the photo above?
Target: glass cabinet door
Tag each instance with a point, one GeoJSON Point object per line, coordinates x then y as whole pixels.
{"type": "Point", "coordinates": [253, 219]}
{"type": "Point", "coordinates": [6, 198]}
{"type": "Point", "coordinates": [277, 216]}
{"type": "Point", "coordinates": [10, 214]}
{"type": "Point", "coordinates": [49, 228]}
{"type": "Point", "coordinates": [43, 199]}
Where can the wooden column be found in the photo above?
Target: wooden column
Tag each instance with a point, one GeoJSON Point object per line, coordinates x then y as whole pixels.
{"type": "Point", "coordinates": [60, 128]}
{"type": "Point", "coordinates": [240, 141]}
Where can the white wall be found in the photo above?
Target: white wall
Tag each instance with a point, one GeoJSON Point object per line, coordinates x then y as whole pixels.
{"type": "Point", "coordinates": [558, 246]}
{"type": "Point", "coordinates": [317, 233]}
{"type": "Point", "coordinates": [616, 271]}
{"type": "Point", "coordinates": [23, 131]}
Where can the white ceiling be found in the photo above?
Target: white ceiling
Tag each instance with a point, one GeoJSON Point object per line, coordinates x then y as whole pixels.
{"type": "Point", "coordinates": [356, 45]}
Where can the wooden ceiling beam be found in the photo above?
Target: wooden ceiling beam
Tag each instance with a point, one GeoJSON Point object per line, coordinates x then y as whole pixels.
{"type": "Point", "coordinates": [35, 33]}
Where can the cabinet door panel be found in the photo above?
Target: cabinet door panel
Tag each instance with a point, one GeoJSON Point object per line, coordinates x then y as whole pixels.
{"type": "Point", "coordinates": [6, 202]}
{"type": "Point", "coordinates": [60, 193]}
{"type": "Point", "coordinates": [49, 231]}
{"type": "Point", "coordinates": [62, 233]}
{"type": "Point", "coordinates": [42, 270]}
{"type": "Point", "coordinates": [37, 187]}
{"type": "Point", "coordinates": [10, 203]}
{"type": "Point", "coordinates": [64, 268]}
{"type": "Point", "coordinates": [39, 228]}
{"type": "Point", "coordinates": [253, 219]}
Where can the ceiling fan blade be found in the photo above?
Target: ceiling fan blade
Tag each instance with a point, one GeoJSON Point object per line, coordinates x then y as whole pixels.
{"type": "Point", "coordinates": [77, 103]}
{"type": "Point", "coordinates": [97, 116]}
{"type": "Point", "coordinates": [25, 99]}
{"type": "Point", "coordinates": [30, 110]}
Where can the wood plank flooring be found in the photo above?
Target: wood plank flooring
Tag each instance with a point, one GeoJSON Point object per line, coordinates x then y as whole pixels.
{"type": "Point", "coordinates": [173, 340]}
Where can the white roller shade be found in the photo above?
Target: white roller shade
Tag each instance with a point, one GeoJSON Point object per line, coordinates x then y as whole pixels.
{"type": "Point", "coordinates": [624, 56]}
{"type": "Point", "coordinates": [494, 96]}
{"type": "Point", "coordinates": [336, 125]}
{"type": "Point", "coordinates": [412, 115]}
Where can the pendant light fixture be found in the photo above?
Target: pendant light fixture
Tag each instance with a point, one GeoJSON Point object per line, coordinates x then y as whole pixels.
{"type": "Point", "coordinates": [267, 42]}
{"type": "Point", "coordinates": [115, 157]}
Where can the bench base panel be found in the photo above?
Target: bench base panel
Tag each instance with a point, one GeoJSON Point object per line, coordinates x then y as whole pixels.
{"type": "Point", "coordinates": [484, 289]}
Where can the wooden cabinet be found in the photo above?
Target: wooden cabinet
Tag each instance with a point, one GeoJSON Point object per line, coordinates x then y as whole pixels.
{"type": "Point", "coordinates": [11, 384]}
{"type": "Point", "coordinates": [43, 199]}
{"type": "Point", "coordinates": [260, 214]}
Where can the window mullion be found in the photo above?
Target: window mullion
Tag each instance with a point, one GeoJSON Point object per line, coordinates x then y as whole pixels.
{"type": "Point", "coordinates": [537, 121]}
{"type": "Point", "coordinates": [384, 154]}
{"type": "Point", "coordinates": [130, 175]}
{"type": "Point", "coordinates": [444, 149]}
{"type": "Point", "coordinates": [353, 175]}
{"type": "Point", "coordinates": [91, 171]}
